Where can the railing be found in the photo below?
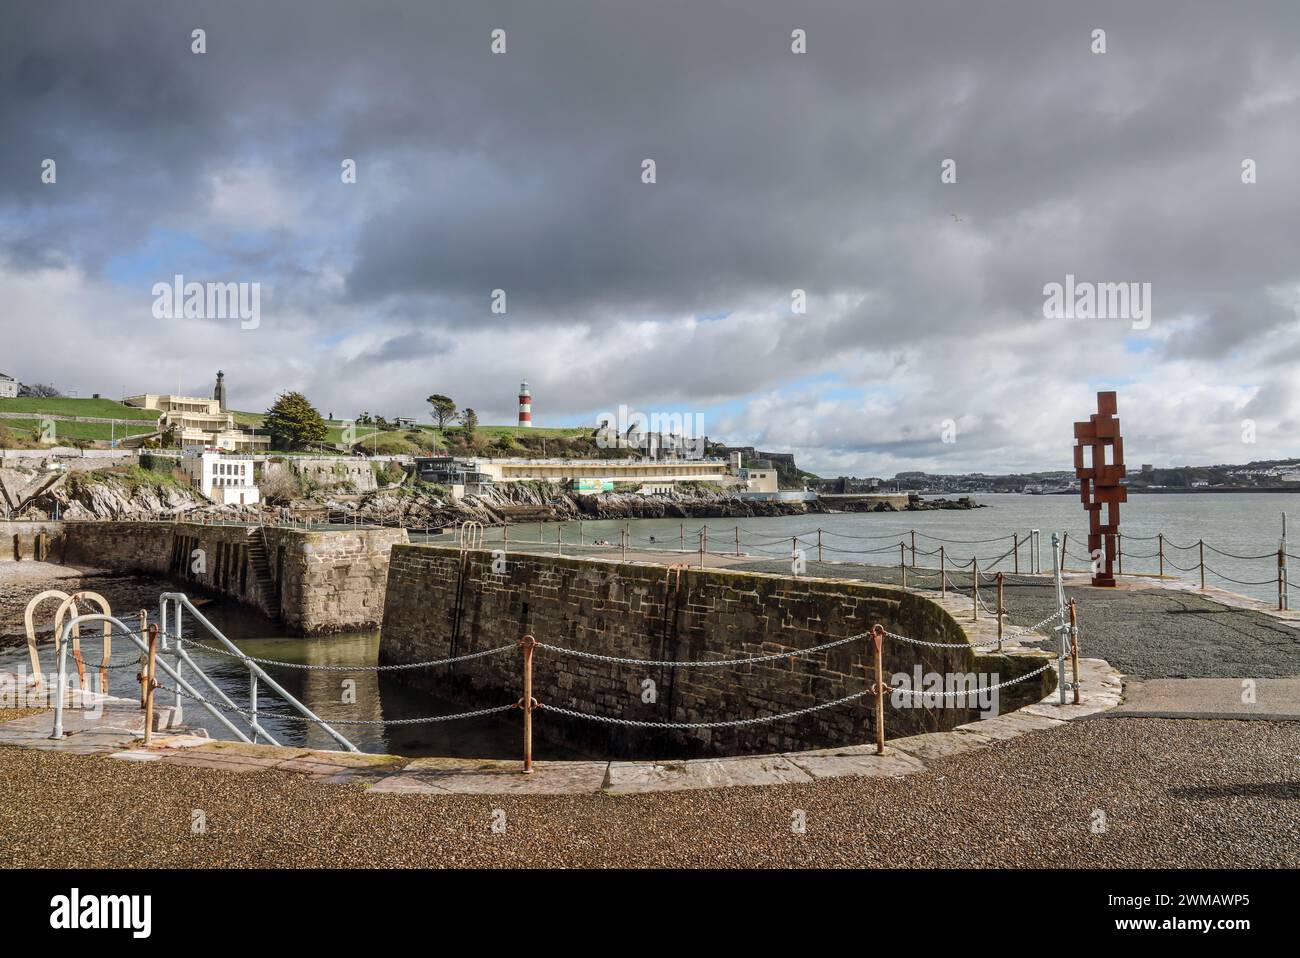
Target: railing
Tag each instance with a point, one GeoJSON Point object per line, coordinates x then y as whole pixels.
{"type": "Point", "coordinates": [1022, 554]}
{"type": "Point", "coordinates": [172, 606]}
{"type": "Point", "coordinates": [147, 675]}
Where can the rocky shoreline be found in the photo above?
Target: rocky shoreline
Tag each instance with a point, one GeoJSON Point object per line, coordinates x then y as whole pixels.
{"type": "Point", "coordinates": [111, 495]}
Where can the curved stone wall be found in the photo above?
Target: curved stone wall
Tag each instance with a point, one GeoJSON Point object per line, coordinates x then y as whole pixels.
{"type": "Point", "coordinates": [441, 603]}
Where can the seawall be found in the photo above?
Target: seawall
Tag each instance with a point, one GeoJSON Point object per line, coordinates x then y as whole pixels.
{"type": "Point", "coordinates": [316, 581]}
{"type": "Point", "coordinates": [441, 603]}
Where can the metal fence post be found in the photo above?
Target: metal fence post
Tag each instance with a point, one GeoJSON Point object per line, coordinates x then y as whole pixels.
{"type": "Point", "coordinates": [1074, 648]}
{"type": "Point", "coordinates": [177, 710]}
{"type": "Point", "coordinates": [1015, 552]}
{"type": "Point", "coordinates": [1061, 628]}
{"type": "Point", "coordinates": [975, 587]}
{"type": "Point", "coordinates": [1065, 542]}
{"type": "Point", "coordinates": [252, 699]}
{"type": "Point", "coordinates": [877, 640]}
{"type": "Point", "coordinates": [902, 563]}
{"type": "Point", "coordinates": [1160, 550]}
{"type": "Point", "coordinates": [913, 548]}
{"type": "Point", "coordinates": [1201, 543]}
{"type": "Point", "coordinates": [1000, 610]}
{"type": "Point", "coordinates": [1281, 579]}
{"type": "Point", "coordinates": [144, 628]}
{"type": "Point", "coordinates": [150, 683]}
{"type": "Point", "coordinates": [528, 643]}
{"type": "Point", "coordinates": [943, 574]}
{"type": "Point", "coordinates": [819, 545]}
{"type": "Point", "coordinates": [737, 540]}
{"type": "Point", "coordinates": [1119, 552]}
{"type": "Point", "coordinates": [1286, 578]}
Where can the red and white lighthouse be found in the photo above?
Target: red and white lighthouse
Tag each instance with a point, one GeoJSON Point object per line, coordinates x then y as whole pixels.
{"type": "Point", "coordinates": [525, 406]}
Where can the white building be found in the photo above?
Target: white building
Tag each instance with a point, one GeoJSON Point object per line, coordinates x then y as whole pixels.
{"type": "Point", "coordinates": [223, 478]}
{"type": "Point", "coordinates": [761, 479]}
{"type": "Point", "coordinates": [8, 387]}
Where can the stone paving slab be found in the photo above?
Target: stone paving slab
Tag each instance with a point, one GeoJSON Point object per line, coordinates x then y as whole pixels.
{"type": "Point", "coordinates": [180, 740]}
{"type": "Point", "coordinates": [1009, 725]}
{"type": "Point", "coordinates": [631, 777]}
{"type": "Point", "coordinates": [1275, 699]}
{"type": "Point", "coordinates": [934, 745]}
{"type": "Point", "coordinates": [137, 755]}
{"type": "Point", "coordinates": [444, 776]}
{"type": "Point", "coordinates": [340, 767]}
{"type": "Point", "coordinates": [199, 758]}
{"type": "Point", "coordinates": [841, 763]}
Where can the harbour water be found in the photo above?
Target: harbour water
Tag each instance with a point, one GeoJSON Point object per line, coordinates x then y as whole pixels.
{"type": "Point", "coordinates": [1240, 524]}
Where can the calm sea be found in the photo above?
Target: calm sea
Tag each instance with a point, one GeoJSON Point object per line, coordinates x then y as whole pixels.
{"type": "Point", "coordinates": [1240, 524]}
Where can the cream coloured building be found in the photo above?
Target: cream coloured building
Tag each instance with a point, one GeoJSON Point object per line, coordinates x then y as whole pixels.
{"type": "Point", "coordinates": [199, 423]}
{"type": "Point", "coordinates": [656, 471]}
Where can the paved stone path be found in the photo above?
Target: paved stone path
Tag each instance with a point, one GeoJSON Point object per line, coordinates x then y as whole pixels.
{"type": "Point", "coordinates": [1267, 699]}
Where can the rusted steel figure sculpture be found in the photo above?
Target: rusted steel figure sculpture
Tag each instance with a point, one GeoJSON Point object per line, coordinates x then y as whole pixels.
{"type": "Point", "coordinates": [1099, 483]}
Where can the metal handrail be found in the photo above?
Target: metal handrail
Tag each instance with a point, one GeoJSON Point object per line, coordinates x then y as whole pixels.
{"type": "Point", "coordinates": [61, 680]}
{"type": "Point", "coordinates": [255, 671]}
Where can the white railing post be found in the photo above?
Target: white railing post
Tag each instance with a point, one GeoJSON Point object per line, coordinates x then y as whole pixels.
{"type": "Point", "coordinates": [1062, 627]}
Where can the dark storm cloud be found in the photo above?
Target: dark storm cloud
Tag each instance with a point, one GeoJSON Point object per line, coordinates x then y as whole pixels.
{"type": "Point", "coordinates": [775, 172]}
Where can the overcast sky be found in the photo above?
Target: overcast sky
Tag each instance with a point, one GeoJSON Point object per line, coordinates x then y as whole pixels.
{"type": "Point", "coordinates": [775, 171]}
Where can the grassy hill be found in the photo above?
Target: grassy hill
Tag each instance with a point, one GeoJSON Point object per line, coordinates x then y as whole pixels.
{"type": "Point", "coordinates": [66, 429]}
{"type": "Point", "coordinates": [61, 406]}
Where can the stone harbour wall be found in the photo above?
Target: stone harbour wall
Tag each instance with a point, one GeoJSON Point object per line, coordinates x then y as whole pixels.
{"type": "Point", "coordinates": [441, 603]}
{"type": "Point", "coordinates": [319, 580]}
{"type": "Point", "coordinates": [26, 541]}
{"type": "Point", "coordinates": [333, 581]}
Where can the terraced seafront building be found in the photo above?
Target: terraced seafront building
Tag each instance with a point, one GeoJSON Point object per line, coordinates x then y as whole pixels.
{"type": "Point", "coordinates": [200, 423]}
{"type": "Point", "coordinates": [584, 475]}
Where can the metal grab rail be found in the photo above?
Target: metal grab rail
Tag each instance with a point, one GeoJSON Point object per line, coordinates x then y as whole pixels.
{"type": "Point", "coordinates": [61, 680]}
{"type": "Point", "coordinates": [256, 674]}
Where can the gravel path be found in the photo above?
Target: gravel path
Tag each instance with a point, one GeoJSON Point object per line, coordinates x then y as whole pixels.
{"type": "Point", "coordinates": [1145, 633]}
{"type": "Point", "coordinates": [1202, 794]}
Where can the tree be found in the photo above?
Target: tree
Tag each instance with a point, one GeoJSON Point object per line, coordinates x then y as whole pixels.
{"type": "Point", "coordinates": [468, 423]}
{"type": "Point", "coordinates": [444, 410]}
{"type": "Point", "coordinates": [38, 390]}
{"type": "Point", "coordinates": [293, 422]}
